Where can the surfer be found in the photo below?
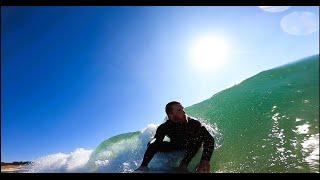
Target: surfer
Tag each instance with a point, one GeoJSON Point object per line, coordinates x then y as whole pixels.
{"type": "Point", "coordinates": [186, 134]}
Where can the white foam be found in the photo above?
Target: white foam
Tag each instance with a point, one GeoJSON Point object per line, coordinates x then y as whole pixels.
{"type": "Point", "coordinates": [276, 116]}
{"type": "Point", "coordinates": [311, 148]}
{"type": "Point", "coordinates": [61, 162]}
{"type": "Point", "coordinates": [302, 129]}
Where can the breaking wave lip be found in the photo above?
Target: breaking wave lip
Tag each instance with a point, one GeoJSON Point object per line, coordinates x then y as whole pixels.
{"type": "Point", "coordinates": [123, 156]}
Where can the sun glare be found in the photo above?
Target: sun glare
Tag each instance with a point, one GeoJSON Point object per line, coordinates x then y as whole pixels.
{"type": "Point", "coordinates": [209, 53]}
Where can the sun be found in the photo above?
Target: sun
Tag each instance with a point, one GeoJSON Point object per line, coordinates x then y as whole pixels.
{"type": "Point", "coordinates": [209, 53]}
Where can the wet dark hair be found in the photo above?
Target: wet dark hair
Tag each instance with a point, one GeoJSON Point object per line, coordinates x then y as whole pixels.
{"type": "Point", "coordinates": [169, 106]}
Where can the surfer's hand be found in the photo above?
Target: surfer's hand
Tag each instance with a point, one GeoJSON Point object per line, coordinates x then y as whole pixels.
{"type": "Point", "coordinates": [203, 167]}
{"type": "Point", "coordinates": [143, 168]}
{"type": "Point", "coordinates": [183, 168]}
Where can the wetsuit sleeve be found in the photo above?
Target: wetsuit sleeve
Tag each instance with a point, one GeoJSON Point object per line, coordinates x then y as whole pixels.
{"type": "Point", "coordinates": [208, 144]}
{"type": "Point", "coordinates": [160, 134]}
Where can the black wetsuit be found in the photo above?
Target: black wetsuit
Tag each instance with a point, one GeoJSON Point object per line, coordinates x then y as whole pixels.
{"type": "Point", "coordinates": [183, 136]}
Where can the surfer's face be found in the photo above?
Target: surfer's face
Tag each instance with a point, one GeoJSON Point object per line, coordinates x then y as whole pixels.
{"type": "Point", "coordinates": [178, 114]}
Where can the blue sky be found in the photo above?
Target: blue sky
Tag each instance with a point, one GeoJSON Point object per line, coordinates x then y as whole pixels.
{"type": "Point", "coordinates": [74, 76]}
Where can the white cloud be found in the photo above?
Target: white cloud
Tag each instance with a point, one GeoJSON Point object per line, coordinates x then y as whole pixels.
{"type": "Point", "coordinates": [274, 9]}
{"type": "Point", "coordinates": [300, 23]}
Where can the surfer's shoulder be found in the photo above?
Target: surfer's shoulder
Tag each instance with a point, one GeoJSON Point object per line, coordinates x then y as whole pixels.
{"type": "Point", "coordinates": [163, 125]}
{"type": "Point", "coordinates": [194, 121]}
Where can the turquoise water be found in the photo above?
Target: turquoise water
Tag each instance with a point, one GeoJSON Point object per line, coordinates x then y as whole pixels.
{"type": "Point", "coordinates": [270, 122]}
{"type": "Point", "coordinates": [267, 123]}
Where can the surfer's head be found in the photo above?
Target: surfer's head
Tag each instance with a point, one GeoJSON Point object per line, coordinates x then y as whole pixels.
{"type": "Point", "coordinates": [175, 112]}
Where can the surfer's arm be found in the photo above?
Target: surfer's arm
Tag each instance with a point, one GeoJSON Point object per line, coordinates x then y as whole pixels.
{"type": "Point", "coordinates": [159, 136]}
{"type": "Point", "coordinates": [208, 147]}
{"type": "Point", "coordinates": [208, 144]}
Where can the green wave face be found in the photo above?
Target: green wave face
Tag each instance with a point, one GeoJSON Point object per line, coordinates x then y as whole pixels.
{"type": "Point", "coordinates": [113, 152]}
{"type": "Point", "coordinates": [267, 123]}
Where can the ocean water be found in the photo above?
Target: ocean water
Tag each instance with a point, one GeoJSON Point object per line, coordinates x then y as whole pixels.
{"type": "Point", "coordinates": [270, 122]}
{"type": "Point", "coordinates": [267, 123]}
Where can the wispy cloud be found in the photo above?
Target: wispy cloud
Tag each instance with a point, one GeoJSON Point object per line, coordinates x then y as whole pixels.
{"type": "Point", "coordinates": [274, 9]}
{"type": "Point", "coordinates": [300, 23]}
